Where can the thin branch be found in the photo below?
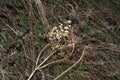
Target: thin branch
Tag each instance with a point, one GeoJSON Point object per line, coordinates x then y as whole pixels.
{"type": "Point", "coordinates": [50, 63]}
{"type": "Point", "coordinates": [46, 59]}
{"type": "Point", "coordinates": [31, 75]}
{"type": "Point", "coordinates": [41, 53]}
{"type": "Point", "coordinates": [83, 53]}
{"type": "Point", "coordinates": [37, 67]}
{"type": "Point", "coordinates": [11, 29]}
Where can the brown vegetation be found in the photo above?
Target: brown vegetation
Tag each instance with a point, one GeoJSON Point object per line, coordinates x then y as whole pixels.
{"type": "Point", "coordinates": [59, 40]}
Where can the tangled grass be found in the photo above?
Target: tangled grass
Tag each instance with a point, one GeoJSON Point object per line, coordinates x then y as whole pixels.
{"type": "Point", "coordinates": [59, 40]}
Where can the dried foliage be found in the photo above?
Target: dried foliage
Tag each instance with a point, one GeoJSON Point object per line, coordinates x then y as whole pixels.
{"type": "Point", "coordinates": [59, 40]}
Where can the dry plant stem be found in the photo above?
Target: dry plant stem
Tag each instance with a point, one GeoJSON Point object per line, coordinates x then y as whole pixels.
{"type": "Point", "coordinates": [41, 12]}
{"type": "Point", "coordinates": [12, 29]}
{"type": "Point", "coordinates": [41, 53]}
{"type": "Point", "coordinates": [50, 63]}
{"type": "Point", "coordinates": [33, 72]}
{"type": "Point", "coordinates": [37, 67]}
{"type": "Point", "coordinates": [46, 59]}
{"type": "Point", "coordinates": [83, 53]}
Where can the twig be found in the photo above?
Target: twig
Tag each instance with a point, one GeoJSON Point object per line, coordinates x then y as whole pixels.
{"type": "Point", "coordinates": [46, 59]}
{"type": "Point", "coordinates": [52, 63]}
{"type": "Point", "coordinates": [41, 53]}
{"type": "Point", "coordinates": [83, 53]}
{"type": "Point", "coordinates": [60, 59]}
{"type": "Point", "coordinates": [37, 67]}
{"type": "Point", "coordinates": [33, 72]}
{"type": "Point", "coordinates": [11, 29]}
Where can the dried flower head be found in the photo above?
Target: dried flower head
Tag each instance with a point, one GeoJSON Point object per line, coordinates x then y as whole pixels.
{"type": "Point", "coordinates": [58, 33]}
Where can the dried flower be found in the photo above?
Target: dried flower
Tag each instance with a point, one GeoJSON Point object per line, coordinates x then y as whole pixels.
{"type": "Point", "coordinates": [58, 34]}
